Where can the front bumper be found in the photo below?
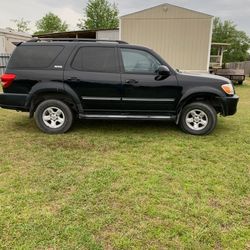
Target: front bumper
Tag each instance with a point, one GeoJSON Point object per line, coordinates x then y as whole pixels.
{"type": "Point", "coordinates": [13, 101]}
{"type": "Point", "coordinates": [229, 105]}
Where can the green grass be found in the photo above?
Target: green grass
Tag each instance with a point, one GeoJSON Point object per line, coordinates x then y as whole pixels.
{"type": "Point", "coordinates": [125, 185]}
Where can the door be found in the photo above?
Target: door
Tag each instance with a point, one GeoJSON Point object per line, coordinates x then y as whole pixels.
{"type": "Point", "coordinates": [94, 75]}
{"type": "Point", "coordinates": [142, 89]}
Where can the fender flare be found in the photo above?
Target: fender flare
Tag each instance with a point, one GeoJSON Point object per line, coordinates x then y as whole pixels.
{"type": "Point", "coordinates": [198, 91]}
{"type": "Point", "coordinates": [53, 87]}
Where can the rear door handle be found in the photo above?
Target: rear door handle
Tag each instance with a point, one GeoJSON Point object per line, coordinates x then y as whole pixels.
{"type": "Point", "coordinates": [74, 79]}
{"type": "Point", "coordinates": [131, 81]}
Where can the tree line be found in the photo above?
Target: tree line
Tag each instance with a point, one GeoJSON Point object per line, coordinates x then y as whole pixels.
{"type": "Point", "coordinates": [101, 14]}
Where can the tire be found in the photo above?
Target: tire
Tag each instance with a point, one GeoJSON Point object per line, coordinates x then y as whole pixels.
{"type": "Point", "coordinates": [198, 118]}
{"type": "Point", "coordinates": [240, 82]}
{"type": "Point", "coordinates": [53, 117]}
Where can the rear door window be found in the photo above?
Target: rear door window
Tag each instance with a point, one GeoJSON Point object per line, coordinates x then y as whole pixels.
{"type": "Point", "coordinates": [96, 59]}
{"type": "Point", "coordinates": [41, 56]}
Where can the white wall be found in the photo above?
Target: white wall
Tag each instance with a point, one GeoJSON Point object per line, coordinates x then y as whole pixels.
{"type": "Point", "coordinates": [107, 34]}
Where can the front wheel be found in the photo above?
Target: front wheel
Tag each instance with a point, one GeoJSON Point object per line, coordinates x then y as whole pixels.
{"type": "Point", "coordinates": [53, 117]}
{"type": "Point", "coordinates": [198, 118]}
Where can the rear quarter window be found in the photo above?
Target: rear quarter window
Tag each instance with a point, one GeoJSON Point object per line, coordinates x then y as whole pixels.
{"type": "Point", "coordinates": [36, 57]}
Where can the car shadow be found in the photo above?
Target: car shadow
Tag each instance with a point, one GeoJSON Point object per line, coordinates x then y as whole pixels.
{"type": "Point", "coordinates": [123, 126]}
{"type": "Point", "coordinates": [111, 127]}
{"type": "Point", "coordinates": [27, 125]}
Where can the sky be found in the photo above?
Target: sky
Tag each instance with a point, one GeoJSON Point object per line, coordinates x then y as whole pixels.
{"type": "Point", "coordinates": [72, 10]}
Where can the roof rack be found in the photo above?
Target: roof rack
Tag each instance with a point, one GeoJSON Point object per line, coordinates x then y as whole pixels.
{"type": "Point", "coordinates": [74, 40]}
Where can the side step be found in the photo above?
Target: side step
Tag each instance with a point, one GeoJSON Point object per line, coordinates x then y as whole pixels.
{"type": "Point", "coordinates": [127, 117]}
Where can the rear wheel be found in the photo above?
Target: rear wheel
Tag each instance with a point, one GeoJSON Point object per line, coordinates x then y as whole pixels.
{"type": "Point", "coordinates": [53, 117]}
{"type": "Point", "coordinates": [198, 118]}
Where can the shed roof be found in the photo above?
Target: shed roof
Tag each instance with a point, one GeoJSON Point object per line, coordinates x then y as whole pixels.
{"type": "Point", "coordinates": [72, 34]}
{"type": "Point", "coordinates": [167, 11]}
{"type": "Point", "coordinates": [220, 44]}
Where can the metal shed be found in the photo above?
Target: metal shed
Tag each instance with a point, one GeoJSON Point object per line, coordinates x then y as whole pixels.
{"type": "Point", "coordinates": [107, 34]}
{"type": "Point", "coordinates": [181, 36]}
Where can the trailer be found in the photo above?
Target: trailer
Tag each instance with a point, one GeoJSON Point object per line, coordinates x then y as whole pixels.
{"type": "Point", "coordinates": [8, 37]}
{"type": "Point", "coordinates": [235, 75]}
{"type": "Point", "coordinates": [216, 63]}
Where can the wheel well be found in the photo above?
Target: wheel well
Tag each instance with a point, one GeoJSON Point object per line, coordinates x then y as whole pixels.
{"type": "Point", "coordinates": [38, 98]}
{"type": "Point", "coordinates": [211, 99]}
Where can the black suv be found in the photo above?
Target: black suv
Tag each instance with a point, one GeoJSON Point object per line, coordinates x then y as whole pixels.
{"type": "Point", "coordinates": [56, 80]}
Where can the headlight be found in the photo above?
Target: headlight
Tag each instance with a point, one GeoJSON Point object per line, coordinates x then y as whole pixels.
{"type": "Point", "coordinates": [228, 88]}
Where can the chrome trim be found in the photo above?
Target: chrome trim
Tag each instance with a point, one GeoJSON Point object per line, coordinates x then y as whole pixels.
{"type": "Point", "coordinates": [58, 66]}
{"type": "Point", "coordinates": [128, 116]}
{"type": "Point", "coordinates": [101, 98]}
{"type": "Point", "coordinates": [128, 99]}
{"type": "Point", "coordinates": [149, 99]}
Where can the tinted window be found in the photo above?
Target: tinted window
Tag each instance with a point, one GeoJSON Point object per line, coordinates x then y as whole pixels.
{"type": "Point", "coordinates": [34, 56]}
{"type": "Point", "coordinates": [139, 61]}
{"type": "Point", "coordinates": [96, 59]}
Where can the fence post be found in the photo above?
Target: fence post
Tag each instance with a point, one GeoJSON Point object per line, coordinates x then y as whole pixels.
{"type": "Point", "coordinates": [4, 58]}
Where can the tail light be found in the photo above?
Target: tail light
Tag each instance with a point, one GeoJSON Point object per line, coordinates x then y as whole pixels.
{"type": "Point", "coordinates": [7, 79]}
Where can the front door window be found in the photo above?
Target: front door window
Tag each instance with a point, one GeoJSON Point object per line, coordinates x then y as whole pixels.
{"type": "Point", "coordinates": [139, 62]}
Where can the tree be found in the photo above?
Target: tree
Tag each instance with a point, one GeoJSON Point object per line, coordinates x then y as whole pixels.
{"type": "Point", "coordinates": [21, 25]}
{"type": "Point", "coordinates": [51, 23]}
{"type": "Point", "coordinates": [226, 32]}
{"type": "Point", "coordinates": [100, 14]}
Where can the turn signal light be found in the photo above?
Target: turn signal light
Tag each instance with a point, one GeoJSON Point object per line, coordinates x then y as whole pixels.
{"type": "Point", "coordinates": [228, 89]}
{"type": "Point", "coordinates": [7, 79]}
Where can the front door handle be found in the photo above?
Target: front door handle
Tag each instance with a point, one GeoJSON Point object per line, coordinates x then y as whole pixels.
{"type": "Point", "coordinates": [73, 79]}
{"type": "Point", "coordinates": [131, 81]}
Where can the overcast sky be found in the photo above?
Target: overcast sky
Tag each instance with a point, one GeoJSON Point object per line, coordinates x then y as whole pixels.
{"type": "Point", "coordinates": [71, 10]}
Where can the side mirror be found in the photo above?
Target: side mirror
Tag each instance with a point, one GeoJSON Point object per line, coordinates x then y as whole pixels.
{"type": "Point", "coordinates": [163, 71]}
